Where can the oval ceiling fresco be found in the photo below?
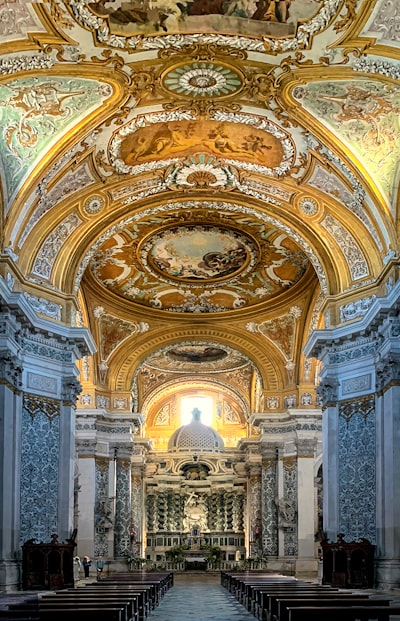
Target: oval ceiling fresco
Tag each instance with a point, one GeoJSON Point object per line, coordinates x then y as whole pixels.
{"type": "Point", "coordinates": [197, 357]}
{"type": "Point", "coordinates": [198, 266]}
{"type": "Point", "coordinates": [198, 253]}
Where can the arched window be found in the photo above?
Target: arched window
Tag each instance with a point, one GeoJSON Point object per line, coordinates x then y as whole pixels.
{"type": "Point", "coordinates": [202, 403]}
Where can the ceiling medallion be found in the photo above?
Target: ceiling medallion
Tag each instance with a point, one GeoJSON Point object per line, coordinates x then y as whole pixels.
{"type": "Point", "coordinates": [203, 79]}
{"type": "Point", "coordinates": [198, 253]}
{"type": "Point", "coordinates": [308, 206]}
{"type": "Point", "coordinates": [94, 204]}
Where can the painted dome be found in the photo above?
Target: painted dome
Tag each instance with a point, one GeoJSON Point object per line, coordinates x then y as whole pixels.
{"type": "Point", "coordinates": [196, 437]}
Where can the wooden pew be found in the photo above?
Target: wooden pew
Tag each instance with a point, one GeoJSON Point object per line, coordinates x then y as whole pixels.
{"type": "Point", "coordinates": [71, 600]}
{"type": "Point", "coordinates": [249, 587]}
{"type": "Point", "coordinates": [264, 598]}
{"type": "Point", "coordinates": [333, 613]}
{"type": "Point", "coordinates": [155, 586]}
{"type": "Point", "coordinates": [143, 594]}
{"type": "Point", "coordinates": [256, 594]}
{"type": "Point", "coordinates": [89, 614]}
{"type": "Point", "coordinates": [339, 600]}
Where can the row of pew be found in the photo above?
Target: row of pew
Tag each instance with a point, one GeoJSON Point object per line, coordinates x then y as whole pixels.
{"type": "Point", "coordinates": [280, 598]}
{"type": "Point", "coordinates": [119, 597]}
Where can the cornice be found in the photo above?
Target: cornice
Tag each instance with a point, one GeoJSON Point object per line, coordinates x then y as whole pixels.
{"type": "Point", "coordinates": [79, 338]}
{"type": "Point", "coordinates": [381, 307]}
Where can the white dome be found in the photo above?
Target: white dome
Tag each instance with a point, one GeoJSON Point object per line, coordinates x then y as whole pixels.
{"type": "Point", "coordinates": [196, 437]}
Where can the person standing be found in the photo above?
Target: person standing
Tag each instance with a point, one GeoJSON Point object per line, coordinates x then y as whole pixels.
{"type": "Point", "coordinates": [86, 565]}
{"type": "Point", "coordinates": [77, 568]}
{"type": "Point", "coordinates": [99, 567]}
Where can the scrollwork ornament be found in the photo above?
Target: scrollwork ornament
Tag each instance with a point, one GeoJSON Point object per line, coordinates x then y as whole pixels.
{"type": "Point", "coordinates": [261, 86]}
{"type": "Point", "coordinates": [349, 17]}
{"type": "Point", "coordinates": [201, 51]}
{"type": "Point", "coordinates": [143, 84]}
{"type": "Point", "coordinates": [204, 108]}
{"type": "Point", "coordinates": [10, 370]}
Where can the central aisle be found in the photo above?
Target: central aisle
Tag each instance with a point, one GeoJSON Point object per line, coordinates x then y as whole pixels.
{"type": "Point", "coordinates": [199, 598]}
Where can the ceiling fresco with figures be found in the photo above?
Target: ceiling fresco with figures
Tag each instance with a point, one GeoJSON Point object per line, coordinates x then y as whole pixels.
{"type": "Point", "coordinates": [201, 183]}
{"type": "Point", "coordinates": [194, 264]}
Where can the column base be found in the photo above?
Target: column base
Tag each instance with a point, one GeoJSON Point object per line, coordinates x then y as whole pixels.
{"type": "Point", "coordinates": [387, 574]}
{"type": "Point", "coordinates": [10, 576]}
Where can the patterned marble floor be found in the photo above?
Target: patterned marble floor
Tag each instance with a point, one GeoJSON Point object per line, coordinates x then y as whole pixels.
{"type": "Point", "coordinates": [199, 598]}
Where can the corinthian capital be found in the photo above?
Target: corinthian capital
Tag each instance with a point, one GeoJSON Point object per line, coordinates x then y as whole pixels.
{"type": "Point", "coordinates": [388, 372]}
{"type": "Point", "coordinates": [10, 370]}
{"type": "Point", "coordinates": [328, 391]}
{"type": "Point", "coordinates": [71, 388]}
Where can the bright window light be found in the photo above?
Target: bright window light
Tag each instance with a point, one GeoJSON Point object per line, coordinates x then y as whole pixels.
{"type": "Point", "coordinates": [204, 404]}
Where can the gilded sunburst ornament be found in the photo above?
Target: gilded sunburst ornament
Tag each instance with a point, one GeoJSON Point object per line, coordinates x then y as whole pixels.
{"type": "Point", "coordinates": [203, 79]}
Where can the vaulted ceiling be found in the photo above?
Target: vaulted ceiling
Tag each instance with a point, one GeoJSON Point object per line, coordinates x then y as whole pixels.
{"type": "Point", "coordinates": [202, 183]}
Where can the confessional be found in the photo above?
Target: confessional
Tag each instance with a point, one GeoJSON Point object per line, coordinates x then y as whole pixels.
{"type": "Point", "coordinates": [348, 564]}
{"type": "Point", "coordinates": [48, 565]}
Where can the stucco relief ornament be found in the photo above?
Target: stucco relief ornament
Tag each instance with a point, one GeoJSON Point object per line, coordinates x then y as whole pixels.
{"type": "Point", "coordinates": [26, 63]}
{"type": "Point", "coordinates": [94, 204]}
{"type": "Point", "coordinates": [98, 311]}
{"type": "Point", "coordinates": [10, 369]}
{"type": "Point", "coordinates": [202, 79]}
{"type": "Point", "coordinates": [308, 206]}
{"type": "Point", "coordinates": [388, 371]}
{"type": "Point", "coordinates": [70, 390]}
{"type": "Point", "coordinates": [304, 32]}
{"type": "Point", "coordinates": [201, 172]}
{"type": "Point", "coordinates": [44, 307]}
{"type": "Point", "coordinates": [327, 391]}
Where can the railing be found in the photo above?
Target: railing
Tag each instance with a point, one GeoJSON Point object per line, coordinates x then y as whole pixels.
{"type": "Point", "coordinates": [221, 565]}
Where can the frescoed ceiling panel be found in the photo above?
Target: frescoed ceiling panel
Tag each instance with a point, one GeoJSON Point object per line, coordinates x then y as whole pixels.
{"type": "Point", "coordinates": [364, 114]}
{"type": "Point", "coordinates": [16, 20]}
{"type": "Point", "coordinates": [197, 264]}
{"type": "Point", "coordinates": [383, 23]}
{"type": "Point", "coordinates": [282, 27]}
{"type": "Point", "coordinates": [35, 114]}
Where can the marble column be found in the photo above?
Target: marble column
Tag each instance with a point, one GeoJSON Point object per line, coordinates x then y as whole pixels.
{"type": "Point", "coordinates": [38, 392]}
{"type": "Point", "coordinates": [10, 450]}
{"type": "Point", "coordinates": [388, 469]}
{"type": "Point", "coordinates": [360, 395]}
{"type": "Point", "coordinates": [306, 505]}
